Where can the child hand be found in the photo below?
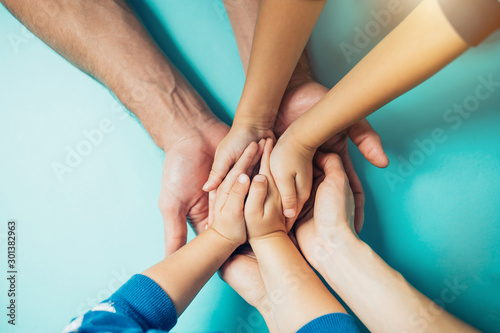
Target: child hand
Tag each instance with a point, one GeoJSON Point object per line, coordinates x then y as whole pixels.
{"type": "Point", "coordinates": [228, 218]}
{"type": "Point", "coordinates": [291, 167]}
{"type": "Point", "coordinates": [229, 150]}
{"type": "Point", "coordinates": [263, 212]}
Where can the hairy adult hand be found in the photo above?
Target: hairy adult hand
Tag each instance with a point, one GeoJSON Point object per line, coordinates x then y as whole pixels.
{"type": "Point", "coordinates": [187, 165]}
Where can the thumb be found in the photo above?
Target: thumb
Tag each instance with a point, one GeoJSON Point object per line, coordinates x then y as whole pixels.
{"type": "Point", "coordinates": [288, 194]}
{"type": "Point", "coordinates": [175, 226]}
{"type": "Point", "coordinates": [369, 144]}
{"type": "Point", "coordinates": [222, 162]}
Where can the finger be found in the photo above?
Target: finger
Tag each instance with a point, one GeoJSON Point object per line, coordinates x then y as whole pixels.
{"type": "Point", "coordinates": [265, 162]}
{"type": "Point", "coordinates": [222, 163]}
{"type": "Point", "coordinates": [257, 196]}
{"type": "Point", "coordinates": [236, 199]}
{"type": "Point", "coordinates": [357, 191]}
{"type": "Point", "coordinates": [369, 143]}
{"type": "Point", "coordinates": [302, 197]}
{"type": "Point", "coordinates": [244, 160]}
{"type": "Point", "coordinates": [175, 227]}
{"type": "Point", "coordinates": [240, 167]}
{"type": "Point", "coordinates": [211, 206]}
{"type": "Point", "coordinates": [256, 158]}
{"type": "Point", "coordinates": [288, 193]}
{"type": "Point", "coordinates": [331, 164]}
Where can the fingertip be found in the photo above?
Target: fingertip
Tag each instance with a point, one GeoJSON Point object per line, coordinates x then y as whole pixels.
{"type": "Point", "coordinates": [212, 182]}
{"type": "Point", "coordinates": [289, 212]}
{"type": "Point", "coordinates": [382, 160]}
{"type": "Point", "coordinates": [260, 178]}
{"type": "Point", "coordinates": [243, 179]}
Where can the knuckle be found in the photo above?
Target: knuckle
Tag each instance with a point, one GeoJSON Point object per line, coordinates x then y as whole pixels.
{"type": "Point", "coordinates": [214, 173]}
{"type": "Point", "coordinates": [335, 161]}
{"type": "Point", "coordinates": [289, 200]}
{"type": "Point", "coordinates": [165, 207]}
{"type": "Point", "coordinates": [239, 189]}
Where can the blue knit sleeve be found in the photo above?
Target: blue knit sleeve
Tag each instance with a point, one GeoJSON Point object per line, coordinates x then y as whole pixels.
{"type": "Point", "coordinates": [333, 322]}
{"type": "Point", "coordinates": [139, 306]}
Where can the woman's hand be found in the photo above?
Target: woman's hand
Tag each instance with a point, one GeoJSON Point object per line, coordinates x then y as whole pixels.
{"type": "Point", "coordinates": [291, 167]}
{"type": "Point", "coordinates": [231, 148]}
{"type": "Point", "coordinates": [263, 211]}
{"type": "Point", "coordinates": [332, 221]}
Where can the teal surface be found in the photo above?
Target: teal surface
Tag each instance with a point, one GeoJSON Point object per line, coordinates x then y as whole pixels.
{"type": "Point", "coordinates": [433, 214]}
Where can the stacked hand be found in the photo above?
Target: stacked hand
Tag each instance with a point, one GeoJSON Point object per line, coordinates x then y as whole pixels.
{"type": "Point", "coordinates": [330, 218]}
{"type": "Point", "coordinates": [291, 162]}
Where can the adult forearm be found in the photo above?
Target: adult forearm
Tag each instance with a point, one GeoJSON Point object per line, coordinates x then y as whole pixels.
{"type": "Point", "coordinates": [184, 273]}
{"type": "Point", "coordinates": [296, 294]}
{"type": "Point", "coordinates": [419, 47]}
{"type": "Point", "coordinates": [281, 25]}
{"type": "Point", "coordinates": [379, 295]}
{"type": "Point", "coordinates": [105, 39]}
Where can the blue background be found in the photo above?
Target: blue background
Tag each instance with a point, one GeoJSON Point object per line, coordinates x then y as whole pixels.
{"type": "Point", "coordinates": [81, 237]}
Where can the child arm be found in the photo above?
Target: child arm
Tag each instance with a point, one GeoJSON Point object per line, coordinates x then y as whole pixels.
{"type": "Point", "coordinates": [297, 297]}
{"type": "Point", "coordinates": [155, 299]}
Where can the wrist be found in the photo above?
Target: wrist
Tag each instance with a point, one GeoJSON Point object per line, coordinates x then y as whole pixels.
{"type": "Point", "coordinates": [295, 139]}
{"type": "Point", "coordinates": [330, 252]}
{"type": "Point", "coordinates": [167, 108]}
{"type": "Point", "coordinates": [224, 242]}
{"type": "Point", "coordinates": [254, 121]}
{"type": "Point", "coordinates": [271, 237]}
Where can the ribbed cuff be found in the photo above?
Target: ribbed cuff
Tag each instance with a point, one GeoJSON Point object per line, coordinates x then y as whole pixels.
{"type": "Point", "coordinates": [333, 322]}
{"type": "Point", "coordinates": [144, 300]}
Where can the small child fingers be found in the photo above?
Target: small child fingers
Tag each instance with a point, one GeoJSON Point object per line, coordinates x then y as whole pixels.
{"type": "Point", "coordinates": [239, 167]}
{"type": "Point", "coordinates": [236, 199]}
{"type": "Point", "coordinates": [257, 195]}
{"type": "Point", "coordinates": [265, 162]}
{"type": "Point", "coordinates": [257, 156]}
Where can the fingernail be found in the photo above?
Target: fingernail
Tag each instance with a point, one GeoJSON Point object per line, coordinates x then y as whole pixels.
{"type": "Point", "coordinates": [242, 179]}
{"type": "Point", "coordinates": [259, 178]}
{"type": "Point", "coordinates": [289, 213]}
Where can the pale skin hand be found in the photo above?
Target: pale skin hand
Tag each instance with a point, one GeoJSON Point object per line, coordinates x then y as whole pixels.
{"type": "Point", "coordinates": [185, 272]}
{"type": "Point", "coordinates": [279, 260]}
{"type": "Point", "coordinates": [107, 41]}
{"type": "Point", "coordinates": [420, 46]}
{"type": "Point", "coordinates": [257, 116]}
{"type": "Point", "coordinates": [297, 101]}
{"type": "Point", "coordinates": [242, 272]}
{"type": "Point", "coordinates": [301, 93]}
{"type": "Point", "coordinates": [382, 298]}
{"type": "Point", "coordinates": [373, 82]}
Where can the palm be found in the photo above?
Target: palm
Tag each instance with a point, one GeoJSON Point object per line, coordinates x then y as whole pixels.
{"type": "Point", "coordinates": [185, 170]}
